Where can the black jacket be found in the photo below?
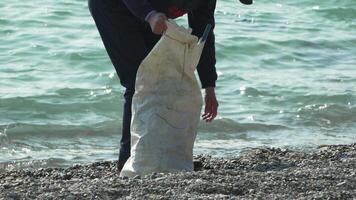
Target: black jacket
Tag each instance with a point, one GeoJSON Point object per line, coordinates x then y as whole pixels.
{"type": "Point", "coordinates": [200, 13]}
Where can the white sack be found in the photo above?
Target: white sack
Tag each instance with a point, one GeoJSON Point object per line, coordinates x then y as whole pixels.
{"type": "Point", "coordinates": [166, 106]}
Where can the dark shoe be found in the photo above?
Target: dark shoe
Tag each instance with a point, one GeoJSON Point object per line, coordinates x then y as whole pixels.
{"type": "Point", "coordinates": [198, 165]}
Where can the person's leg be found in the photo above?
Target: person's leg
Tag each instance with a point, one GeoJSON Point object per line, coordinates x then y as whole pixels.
{"type": "Point", "coordinates": [125, 142]}
{"type": "Point", "coordinates": [150, 40]}
{"type": "Point", "coordinates": [123, 36]}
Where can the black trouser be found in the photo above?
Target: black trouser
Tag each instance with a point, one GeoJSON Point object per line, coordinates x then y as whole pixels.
{"type": "Point", "coordinates": [127, 40]}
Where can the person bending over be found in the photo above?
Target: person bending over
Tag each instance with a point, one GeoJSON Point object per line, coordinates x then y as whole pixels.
{"type": "Point", "coordinates": [130, 28]}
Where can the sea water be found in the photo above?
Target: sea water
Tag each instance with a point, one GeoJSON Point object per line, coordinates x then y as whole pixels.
{"type": "Point", "coordinates": [287, 78]}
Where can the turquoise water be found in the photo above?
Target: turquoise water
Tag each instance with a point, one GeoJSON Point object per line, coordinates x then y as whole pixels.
{"type": "Point", "coordinates": [287, 78]}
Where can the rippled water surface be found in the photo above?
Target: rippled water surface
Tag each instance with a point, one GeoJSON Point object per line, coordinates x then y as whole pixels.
{"type": "Point", "coordinates": [287, 78]}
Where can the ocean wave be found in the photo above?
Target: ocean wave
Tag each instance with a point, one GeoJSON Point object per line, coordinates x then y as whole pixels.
{"type": "Point", "coordinates": [251, 91]}
{"type": "Point", "coordinates": [23, 131]}
{"type": "Point", "coordinates": [310, 99]}
{"type": "Point", "coordinates": [226, 125]}
{"type": "Point", "coordinates": [110, 128]}
{"type": "Point", "coordinates": [65, 100]}
{"type": "Point", "coordinates": [341, 79]}
{"type": "Point", "coordinates": [339, 13]}
{"type": "Point", "coordinates": [327, 114]}
{"type": "Point", "coordinates": [34, 164]}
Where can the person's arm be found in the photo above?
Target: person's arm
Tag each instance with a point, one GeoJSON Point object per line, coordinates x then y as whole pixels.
{"type": "Point", "coordinates": [140, 8]}
{"type": "Point", "coordinates": [198, 19]}
{"type": "Point", "coordinates": [144, 10]}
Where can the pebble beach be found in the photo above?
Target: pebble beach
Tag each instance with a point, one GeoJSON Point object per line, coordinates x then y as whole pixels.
{"type": "Point", "coordinates": [286, 80]}
{"type": "Point", "coordinates": [328, 172]}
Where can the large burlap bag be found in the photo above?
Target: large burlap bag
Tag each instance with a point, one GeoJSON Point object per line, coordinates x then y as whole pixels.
{"type": "Point", "coordinates": [166, 106]}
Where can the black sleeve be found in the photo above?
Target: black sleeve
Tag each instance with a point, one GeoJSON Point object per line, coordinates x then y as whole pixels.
{"type": "Point", "coordinates": [140, 8]}
{"type": "Point", "coordinates": [198, 19]}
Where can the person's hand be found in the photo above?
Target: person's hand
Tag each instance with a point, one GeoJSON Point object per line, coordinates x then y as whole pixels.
{"type": "Point", "coordinates": [211, 105]}
{"type": "Point", "coordinates": [157, 22]}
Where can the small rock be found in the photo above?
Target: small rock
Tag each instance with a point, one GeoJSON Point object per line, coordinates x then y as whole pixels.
{"type": "Point", "coordinates": [341, 184]}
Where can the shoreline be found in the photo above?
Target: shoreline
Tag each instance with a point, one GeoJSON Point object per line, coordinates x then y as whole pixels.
{"type": "Point", "coordinates": [270, 173]}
